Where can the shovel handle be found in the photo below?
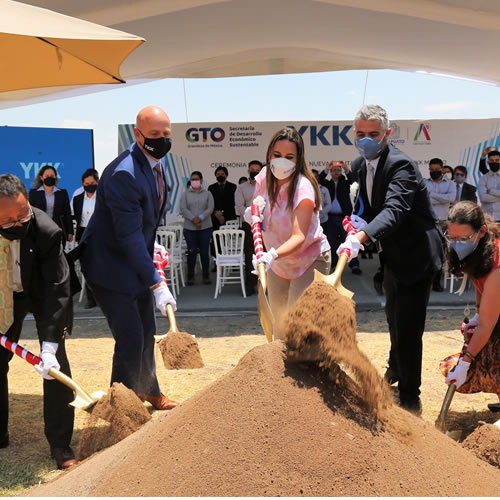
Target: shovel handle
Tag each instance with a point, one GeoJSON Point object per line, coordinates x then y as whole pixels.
{"type": "Point", "coordinates": [257, 233]}
{"type": "Point", "coordinates": [19, 350]}
{"type": "Point", "coordinates": [171, 319]}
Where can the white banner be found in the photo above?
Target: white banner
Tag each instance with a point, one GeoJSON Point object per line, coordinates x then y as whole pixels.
{"type": "Point", "coordinates": [205, 146]}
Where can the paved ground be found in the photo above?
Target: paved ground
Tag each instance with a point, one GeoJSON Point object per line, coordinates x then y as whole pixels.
{"type": "Point", "coordinates": [199, 299]}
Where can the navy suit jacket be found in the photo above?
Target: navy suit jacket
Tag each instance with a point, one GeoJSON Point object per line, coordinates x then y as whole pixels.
{"type": "Point", "coordinates": [116, 249]}
{"type": "Point", "coordinates": [400, 217]}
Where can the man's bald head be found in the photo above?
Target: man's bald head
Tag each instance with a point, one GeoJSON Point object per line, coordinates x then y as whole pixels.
{"type": "Point", "coordinates": [152, 122]}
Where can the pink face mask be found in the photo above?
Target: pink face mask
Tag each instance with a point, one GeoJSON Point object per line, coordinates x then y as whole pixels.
{"type": "Point", "coordinates": [195, 184]}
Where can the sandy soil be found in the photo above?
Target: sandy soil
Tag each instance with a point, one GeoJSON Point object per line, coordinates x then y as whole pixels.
{"type": "Point", "coordinates": [222, 342]}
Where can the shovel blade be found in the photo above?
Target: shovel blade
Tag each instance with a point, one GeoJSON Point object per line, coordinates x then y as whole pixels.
{"type": "Point", "coordinates": [265, 314]}
{"type": "Point", "coordinates": [334, 280]}
{"type": "Point", "coordinates": [85, 401]}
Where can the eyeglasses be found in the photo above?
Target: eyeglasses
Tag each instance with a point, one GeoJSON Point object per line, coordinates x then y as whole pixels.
{"type": "Point", "coordinates": [22, 220]}
{"type": "Point", "coordinates": [462, 239]}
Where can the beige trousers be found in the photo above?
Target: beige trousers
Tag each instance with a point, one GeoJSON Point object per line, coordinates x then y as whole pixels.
{"type": "Point", "coordinates": [283, 293]}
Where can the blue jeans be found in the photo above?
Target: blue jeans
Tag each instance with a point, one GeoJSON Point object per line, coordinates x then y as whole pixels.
{"type": "Point", "coordinates": [198, 241]}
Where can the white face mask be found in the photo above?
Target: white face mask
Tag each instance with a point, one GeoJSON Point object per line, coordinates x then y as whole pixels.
{"type": "Point", "coordinates": [447, 176]}
{"type": "Point", "coordinates": [282, 168]}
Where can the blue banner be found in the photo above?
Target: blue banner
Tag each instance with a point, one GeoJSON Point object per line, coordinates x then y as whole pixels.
{"type": "Point", "coordinates": [24, 150]}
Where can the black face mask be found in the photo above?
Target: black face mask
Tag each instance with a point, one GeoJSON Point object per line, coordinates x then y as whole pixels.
{"type": "Point", "coordinates": [157, 147]}
{"type": "Point", "coordinates": [49, 181]}
{"type": "Point", "coordinates": [253, 175]}
{"type": "Point", "coordinates": [90, 188]}
{"type": "Point", "coordinates": [221, 178]}
{"type": "Point", "coordinates": [15, 232]}
{"type": "Point", "coordinates": [494, 167]}
{"type": "Point", "coordinates": [435, 175]}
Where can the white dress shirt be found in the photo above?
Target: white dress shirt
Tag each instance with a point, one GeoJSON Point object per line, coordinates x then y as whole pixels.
{"type": "Point", "coordinates": [442, 194]}
{"type": "Point", "coordinates": [489, 193]}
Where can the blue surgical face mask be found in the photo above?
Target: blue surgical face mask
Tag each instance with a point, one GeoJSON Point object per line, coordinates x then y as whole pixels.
{"type": "Point", "coordinates": [369, 147]}
{"type": "Point", "coordinates": [464, 248]}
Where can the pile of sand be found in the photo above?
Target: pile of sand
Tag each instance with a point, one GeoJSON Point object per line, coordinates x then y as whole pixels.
{"type": "Point", "coordinates": [484, 442]}
{"type": "Point", "coordinates": [114, 417]}
{"type": "Point", "coordinates": [273, 428]}
{"type": "Point", "coordinates": [180, 350]}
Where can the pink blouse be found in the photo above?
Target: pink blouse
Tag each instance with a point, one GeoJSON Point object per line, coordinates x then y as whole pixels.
{"type": "Point", "coordinates": [277, 228]}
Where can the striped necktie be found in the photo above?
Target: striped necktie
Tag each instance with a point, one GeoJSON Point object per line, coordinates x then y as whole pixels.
{"type": "Point", "coordinates": [6, 287]}
{"type": "Point", "coordinates": [369, 181]}
{"type": "Point", "coordinates": [161, 183]}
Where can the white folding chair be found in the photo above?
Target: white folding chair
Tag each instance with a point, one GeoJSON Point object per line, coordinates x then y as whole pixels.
{"type": "Point", "coordinates": [167, 239]}
{"type": "Point", "coordinates": [229, 258]}
{"type": "Point", "coordinates": [177, 252]}
{"type": "Point", "coordinates": [233, 224]}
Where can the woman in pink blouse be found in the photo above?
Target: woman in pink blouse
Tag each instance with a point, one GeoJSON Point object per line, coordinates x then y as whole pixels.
{"type": "Point", "coordinates": [291, 229]}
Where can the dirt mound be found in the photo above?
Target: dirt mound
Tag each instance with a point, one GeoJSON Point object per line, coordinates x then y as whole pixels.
{"type": "Point", "coordinates": [484, 442]}
{"type": "Point", "coordinates": [114, 417]}
{"type": "Point", "coordinates": [180, 350]}
{"type": "Point", "coordinates": [324, 322]}
{"type": "Point", "coordinates": [273, 428]}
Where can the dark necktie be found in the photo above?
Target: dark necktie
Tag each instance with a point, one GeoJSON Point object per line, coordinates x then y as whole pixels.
{"type": "Point", "coordinates": [457, 198]}
{"type": "Point", "coordinates": [161, 184]}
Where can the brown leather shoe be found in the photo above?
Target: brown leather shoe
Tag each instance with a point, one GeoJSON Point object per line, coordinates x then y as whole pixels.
{"type": "Point", "coordinates": [160, 402]}
{"type": "Point", "coordinates": [64, 457]}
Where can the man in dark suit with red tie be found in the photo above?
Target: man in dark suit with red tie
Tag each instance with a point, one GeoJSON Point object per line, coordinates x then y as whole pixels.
{"type": "Point", "coordinates": [116, 252]}
{"type": "Point", "coordinates": [402, 225]}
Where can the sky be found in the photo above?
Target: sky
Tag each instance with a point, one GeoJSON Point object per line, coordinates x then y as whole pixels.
{"type": "Point", "coordinates": [329, 96]}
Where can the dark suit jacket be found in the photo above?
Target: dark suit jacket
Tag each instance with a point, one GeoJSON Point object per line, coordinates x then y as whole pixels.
{"type": "Point", "coordinates": [223, 200]}
{"type": "Point", "coordinates": [343, 189]}
{"type": "Point", "coordinates": [401, 216]}
{"type": "Point", "coordinates": [45, 277]}
{"type": "Point", "coordinates": [62, 209]}
{"type": "Point", "coordinates": [483, 166]}
{"type": "Point", "coordinates": [116, 249]}
{"type": "Point", "coordinates": [468, 193]}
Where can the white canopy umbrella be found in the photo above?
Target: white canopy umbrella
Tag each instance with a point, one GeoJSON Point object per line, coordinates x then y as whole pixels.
{"type": "Point", "coordinates": [41, 48]}
{"type": "Point", "coordinates": [217, 38]}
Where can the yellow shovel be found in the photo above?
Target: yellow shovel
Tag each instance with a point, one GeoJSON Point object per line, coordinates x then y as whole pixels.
{"type": "Point", "coordinates": [82, 400]}
{"type": "Point", "coordinates": [265, 313]}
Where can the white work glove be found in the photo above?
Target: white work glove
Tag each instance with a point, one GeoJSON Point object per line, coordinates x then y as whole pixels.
{"type": "Point", "coordinates": [351, 243]}
{"type": "Point", "coordinates": [48, 357]}
{"type": "Point", "coordinates": [267, 258]}
{"type": "Point", "coordinates": [459, 374]}
{"type": "Point", "coordinates": [163, 297]}
{"type": "Point", "coordinates": [358, 223]}
{"type": "Point", "coordinates": [160, 249]}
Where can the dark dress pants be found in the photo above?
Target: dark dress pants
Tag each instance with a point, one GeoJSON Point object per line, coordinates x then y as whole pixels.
{"type": "Point", "coordinates": [406, 308]}
{"type": "Point", "coordinates": [58, 415]}
{"type": "Point", "coordinates": [132, 321]}
{"type": "Point", "coordinates": [336, 235]}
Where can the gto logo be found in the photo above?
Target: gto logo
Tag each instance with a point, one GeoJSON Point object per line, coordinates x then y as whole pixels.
{"type": "Point", "coordinates": [204, 133]}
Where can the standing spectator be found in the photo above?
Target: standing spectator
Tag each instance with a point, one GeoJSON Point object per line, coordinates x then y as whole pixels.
{"type": "Point", "coordinates": [402, 224]}
{"type": "Point", "coordinates": [197, 204]}
{"type": "Point", "coordinates": [474, 248]}
{"type": "Point", "coordinates": [493, 156]}
{"type": "Point", "coordinates": [465, 191]}
{"type": "Point", "coordinates": [326, 201]}
{"type": "Point", "coordinates": [116, 253]}
{"type": "Point", "coordinates": [339, 188]}
{"type": "Point", "coordinates": [32, 244]}
{"type": "Point", "coordinates": [442, 193]}
{"type": "Point", "coordinates": [243, 199]}
{"type": "Point", "coordinates": [489, 188]}
{"type": "Point", "coordinates": [291, 229]}
{"type": "Point", "coordinates": [448, 173]}
{"type": "Point", "coordinates": [82, 208]}
{"type": "Point", "coordinates": [54, 201]}
{"type": "Point", "coordinates": [223, 193]}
